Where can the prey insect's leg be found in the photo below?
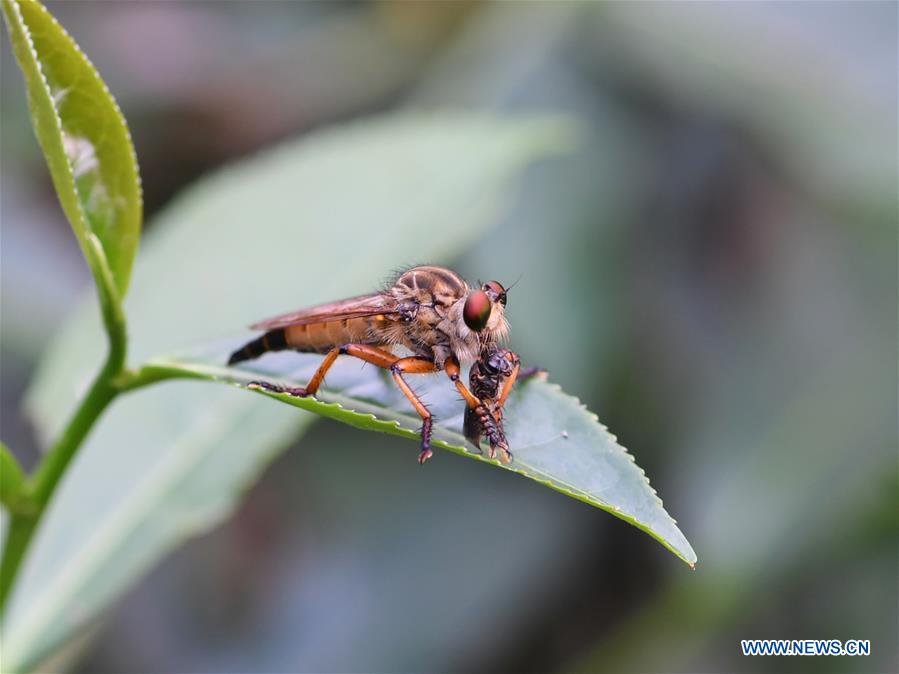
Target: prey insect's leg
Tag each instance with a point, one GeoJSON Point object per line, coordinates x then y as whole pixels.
{"type": "Point", "coordinates": [531, 371]}
{"type": "Point", "coordinates": [490, 424]}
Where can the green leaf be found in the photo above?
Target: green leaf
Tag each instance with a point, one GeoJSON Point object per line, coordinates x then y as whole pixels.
{"type": "Point", "coordinates": [84, 139]}
{"type": "Point", "coordinates": [11, 481]}
{"type": "Point", "coordinates": [555, 439]}
{"type": "Point", "coordinates": [327, 216]}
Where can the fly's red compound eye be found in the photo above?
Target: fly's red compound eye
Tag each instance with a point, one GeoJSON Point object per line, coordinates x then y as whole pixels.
{"type": "Point", "coordinates": [497, 289]}
{"type": "Point", "coordinates": [477, 309]}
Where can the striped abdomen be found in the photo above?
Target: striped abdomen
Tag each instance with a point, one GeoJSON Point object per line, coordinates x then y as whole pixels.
{"type": "Point", "coordinates": [315, 337]}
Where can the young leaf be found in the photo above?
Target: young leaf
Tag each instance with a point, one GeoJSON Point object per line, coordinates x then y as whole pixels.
{"type": "Point", "coordinates": [554, 438]}
{"type": "Point", "coordinates": [84, 139]}
{"type": "Point", "coordinates": [326, 216]}
{"type": "Point", "coordinates": [11, 480]}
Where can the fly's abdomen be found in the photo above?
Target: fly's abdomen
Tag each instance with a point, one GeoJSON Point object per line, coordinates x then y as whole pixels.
{"type": "Point", "coordinates": [322, 337]}
{"type": "Point", "coordinates": [315, 337]}
{"type": "Point", "coordinates": [273, 340]}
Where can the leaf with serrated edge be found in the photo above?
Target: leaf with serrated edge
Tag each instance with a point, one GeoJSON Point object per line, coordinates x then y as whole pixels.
{"type": "Point", "coordinates": [555, 439]}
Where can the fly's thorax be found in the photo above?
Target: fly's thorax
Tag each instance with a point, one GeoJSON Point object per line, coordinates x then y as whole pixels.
{"type": "Point", "coordinates": [429, 285]}
{"type": "Point", "coordinates": [429, 292]}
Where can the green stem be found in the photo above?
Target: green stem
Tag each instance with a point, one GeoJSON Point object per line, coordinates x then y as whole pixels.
{"type": "Point", "coordinates": [12, 481]}
{"type": "Point", "coordinates": [21, 527]}
{"type": "Point", "coordinates": [54, 466]}
{"type": "Point", "coordinates": [102, 392]}
{"type": "Point", "coordinates": [49, 474]}
{"type": "Point", "coordinates": [110, 382]}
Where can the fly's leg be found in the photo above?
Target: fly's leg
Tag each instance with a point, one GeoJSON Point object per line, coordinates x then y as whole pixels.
{"type": "Point", "coordinates": [297, 391]}
{"type": "Point", "coordinates": [316, 381]}
{"type": "Point", "coordinates": [509, 383]}
{"type": "Point", "coordinates": [452, 371]}
{"type": "Point", "coordinates": [413, 365]}
{"type": "Point", "coordinates": [494, 431]}
{"type": "Point", "coordinates": [383, 359]}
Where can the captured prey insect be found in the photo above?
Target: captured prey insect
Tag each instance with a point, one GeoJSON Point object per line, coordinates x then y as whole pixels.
{"type": "Point", "coordinates": [429, 311]}
{"type": "Point", "coordinates": [491, 379]}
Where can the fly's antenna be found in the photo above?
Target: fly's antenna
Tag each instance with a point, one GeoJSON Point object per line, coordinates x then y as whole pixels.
{"type": "Point", "coordinates": [520, 276]}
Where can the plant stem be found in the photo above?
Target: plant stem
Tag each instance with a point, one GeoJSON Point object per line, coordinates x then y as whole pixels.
{"type": "Point", "coordinates": [48, 475]}
{"type": "Point", "coordinates": [53, 467]}
{"type": "Point", "coordinates": [21, 527]}
{"type": "Point", "coordinates": [40, 488]}
{"type": "Point", "coordinates": [112, 380]}
{"type": "Point", "coordinates": [12, 481]}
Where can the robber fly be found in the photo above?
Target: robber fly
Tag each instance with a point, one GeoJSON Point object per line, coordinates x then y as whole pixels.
{"type": "Point", "coordinates": [429, 310]}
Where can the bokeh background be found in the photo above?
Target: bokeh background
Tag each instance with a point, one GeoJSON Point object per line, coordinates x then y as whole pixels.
{"type": "Point", "coordinates": [713, 270]}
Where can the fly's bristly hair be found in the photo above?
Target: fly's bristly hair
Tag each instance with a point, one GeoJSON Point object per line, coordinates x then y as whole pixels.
{"type": "Point", "coordinates": [394, 275]}
{"type": "Point", "coordinates": [391, 278]}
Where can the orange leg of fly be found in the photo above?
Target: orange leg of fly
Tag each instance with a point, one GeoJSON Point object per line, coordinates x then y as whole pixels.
{"type": "Point", "coordinates": [507, 387]}
{"type": "Point", "coordinates": [398, 367]}
{"type": "Point", "coordinates": [452, 370]}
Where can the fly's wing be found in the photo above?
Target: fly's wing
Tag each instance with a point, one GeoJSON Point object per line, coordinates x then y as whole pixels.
{"type": "Point", "coordinates": [355, 307]}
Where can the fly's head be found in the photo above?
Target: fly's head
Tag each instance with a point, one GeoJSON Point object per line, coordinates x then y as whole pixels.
{"type": "Point", "coordinates": [479, 316]}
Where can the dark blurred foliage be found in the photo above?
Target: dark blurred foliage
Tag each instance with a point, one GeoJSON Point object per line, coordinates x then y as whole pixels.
{"type": "Point", "coordinates": [713, 272]}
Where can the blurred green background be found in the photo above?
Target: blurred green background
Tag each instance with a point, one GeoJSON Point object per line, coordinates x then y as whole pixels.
{"type": "Point", "coordinates": [713, 271]}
